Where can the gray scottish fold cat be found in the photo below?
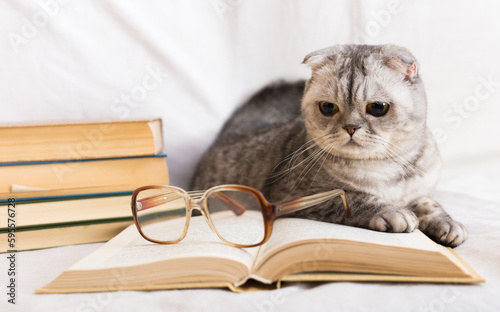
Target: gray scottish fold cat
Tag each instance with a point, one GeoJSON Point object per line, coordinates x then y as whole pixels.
{"type": "Point", "coordinates": [359, 124]}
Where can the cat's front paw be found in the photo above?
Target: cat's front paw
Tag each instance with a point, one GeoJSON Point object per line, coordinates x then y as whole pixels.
{"type": "Point", "coordinates": [395, 220]}
{"type": "Point", "coordinates": [444, 230]}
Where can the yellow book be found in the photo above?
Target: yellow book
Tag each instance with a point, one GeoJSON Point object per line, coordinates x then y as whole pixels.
{"type": "Point", "coordinates": [80, 140]}
{"type": "Point", "coordinates": [46, 179]}
{"type": "Point", "coordinates": [35, 214]}
{"type": "Point", "coordinates": [67, 234]}
{"type": "Point", "coordinates": [297, 250]}
{"type": "Point", "coordinates": [50, 223]}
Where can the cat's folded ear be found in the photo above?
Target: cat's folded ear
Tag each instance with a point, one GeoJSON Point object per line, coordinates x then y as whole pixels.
{"type": "Point", "coordinates": [402, 61]}
{"type": "Point", "coordinates": [319, 58]}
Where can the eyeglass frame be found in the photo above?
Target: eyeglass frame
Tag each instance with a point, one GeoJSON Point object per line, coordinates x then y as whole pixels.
{"type": "Point", "coordinates": [270, 211]}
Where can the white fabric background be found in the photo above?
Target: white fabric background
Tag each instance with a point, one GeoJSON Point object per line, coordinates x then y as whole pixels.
{"type": "Point", "coordinates": [79, 60]}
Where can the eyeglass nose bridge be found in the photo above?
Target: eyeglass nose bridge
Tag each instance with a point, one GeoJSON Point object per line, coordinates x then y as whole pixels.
{"type": "Point", "coordinates": [196, 204]}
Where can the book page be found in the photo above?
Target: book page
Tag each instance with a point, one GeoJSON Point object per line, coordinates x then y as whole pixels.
{"type": "Point", "coordinates": [290, 230]}
{"type": "Point", "coordinates": [155, 127]}
{"type": "Point", "coordinates": [129, 248]}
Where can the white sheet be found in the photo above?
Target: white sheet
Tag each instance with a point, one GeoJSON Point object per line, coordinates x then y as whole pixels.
{"type": "Point", "coordinates": [481, 251]}
{"type": "Point", "coordinates": [193, 62]}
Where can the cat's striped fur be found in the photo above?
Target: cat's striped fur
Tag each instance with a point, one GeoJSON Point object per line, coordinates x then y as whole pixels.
{"type": "Point", "coordinates": [280, 143]}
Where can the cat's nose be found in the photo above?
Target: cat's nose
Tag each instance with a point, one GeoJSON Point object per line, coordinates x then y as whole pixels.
{"type": "Point", "coordinates": [351, 129]}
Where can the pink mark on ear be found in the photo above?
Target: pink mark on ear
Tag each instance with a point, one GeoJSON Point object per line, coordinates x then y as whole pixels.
{"type": "Point", "coordinates": [411, 71]}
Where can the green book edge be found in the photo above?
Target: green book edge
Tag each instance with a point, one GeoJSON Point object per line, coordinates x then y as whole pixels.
{"type": "Point", "coordinates": [5, 230]}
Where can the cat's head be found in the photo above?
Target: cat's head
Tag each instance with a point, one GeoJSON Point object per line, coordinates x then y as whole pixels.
{"type": "Point", "coordinates": [364, 102]}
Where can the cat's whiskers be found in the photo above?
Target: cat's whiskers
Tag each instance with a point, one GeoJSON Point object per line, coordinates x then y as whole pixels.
{"type": "Point", "coordinates": [390, 143]}
{"type": "Point", "coordinates": [397, 157]}
{"type": "Point", "coordinates": [292, 158]}
{"type": "Point", "coordinates": [328, 151]}
{"type": "Point", "coordinates": [313, 143]}
{"type": "Point", "coordinates": [391, 158]}
{"type": "Point", "coordinates": [317, 156]}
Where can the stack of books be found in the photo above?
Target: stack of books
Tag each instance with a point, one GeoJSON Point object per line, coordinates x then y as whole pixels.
{"type": "Point", "coordinates": [71, 183]}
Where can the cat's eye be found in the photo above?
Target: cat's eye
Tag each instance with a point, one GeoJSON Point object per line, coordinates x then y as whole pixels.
{"type": "Point", "coordinates": [328, 108]}
{"type": "Point", "coordinates": [377, 109]}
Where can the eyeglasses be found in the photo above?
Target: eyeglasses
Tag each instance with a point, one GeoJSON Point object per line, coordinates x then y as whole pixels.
{"type": "Point", "coordinates": [239, 215]}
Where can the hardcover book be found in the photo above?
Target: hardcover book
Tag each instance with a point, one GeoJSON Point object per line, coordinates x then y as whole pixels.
{"type": "Point", "coordinates": [80, 140]}
{"type": "Point", "coordinates": [63, 221]}
{"type": "Point", "coordinates": [298, 250]}
{"type": "Point", "coordinates": [70, 183]}
{"type": "Point", "coordinates": [59, 178]}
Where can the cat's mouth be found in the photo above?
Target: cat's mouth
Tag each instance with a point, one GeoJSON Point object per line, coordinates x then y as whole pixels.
{"type": "Point", "coordinates": [352, 142]}
{"type": "Point", "coordinates": [353, 148]}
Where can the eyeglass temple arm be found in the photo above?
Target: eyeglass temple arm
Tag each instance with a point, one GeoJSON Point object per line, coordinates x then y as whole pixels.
{"type": "Point", "coordinates": [156, 200]}
{"type": "Point", "coordinates": [309, 201]}
{"type": "Point", "coordinates": [151, 201]}
{"type": "Point", "coordinates": [236, 207]}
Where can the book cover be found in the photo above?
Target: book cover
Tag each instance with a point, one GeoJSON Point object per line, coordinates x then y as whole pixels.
{"type": "Point", "coordinates": [91, 176]}
{"type": "Point", "coordinates": [80, 140]}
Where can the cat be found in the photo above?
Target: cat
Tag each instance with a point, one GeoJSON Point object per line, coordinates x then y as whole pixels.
{"type": "Point", "coordinates": [358, 124]}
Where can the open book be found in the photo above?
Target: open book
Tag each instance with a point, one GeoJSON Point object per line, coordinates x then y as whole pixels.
{"type": "Point", "coordinates": [297, 250]}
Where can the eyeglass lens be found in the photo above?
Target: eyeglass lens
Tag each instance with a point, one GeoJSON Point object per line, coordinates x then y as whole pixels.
{"type": "Point", "coordinates": [236, 215]}
{"type": "Point", "coordinates": [161, 214]}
